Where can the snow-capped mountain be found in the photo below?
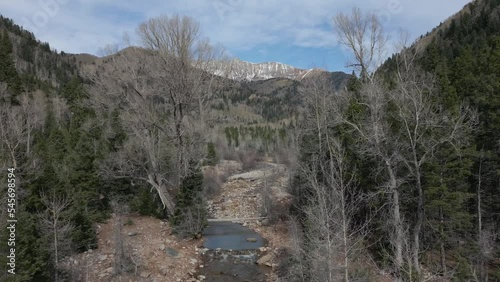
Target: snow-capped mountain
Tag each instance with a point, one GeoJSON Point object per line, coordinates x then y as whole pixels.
{"type": "Point", "coordinates": [241, 70]}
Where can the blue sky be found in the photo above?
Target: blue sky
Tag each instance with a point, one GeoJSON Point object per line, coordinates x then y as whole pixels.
{"type": "Point", "coordinates": [294, 32]}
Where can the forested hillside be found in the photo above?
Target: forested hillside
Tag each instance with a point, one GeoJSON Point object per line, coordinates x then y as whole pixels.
{"type": "Point", "coordinates": [391, 173]}
{"type": "Point", "coordinates": [70, 130]}
{"type": "Point", "coordinates": [466, 60]}
{"type": "Point", "coordinates": [48, 138]}
{"type": "Point", "coordinates": [408, 158]}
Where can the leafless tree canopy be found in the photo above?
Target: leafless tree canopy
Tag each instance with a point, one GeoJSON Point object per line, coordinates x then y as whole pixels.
{"type": "Point", "coordinates": [161, 91]}
{"type": "Point", "coordinates": [363, 35]}
{"type": "Point", "coordinates": [55, 226]}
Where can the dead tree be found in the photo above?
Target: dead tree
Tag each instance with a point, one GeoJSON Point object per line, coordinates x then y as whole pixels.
{"type": "Point", "coordinates": [53, 223]}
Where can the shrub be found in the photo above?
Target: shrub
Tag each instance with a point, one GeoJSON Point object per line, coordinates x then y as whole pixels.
{"type": "Point", "coordinates": [190, 214]}
{"type": "Point", "coordinates": [211, 183]}
{"type": "Point", "coordinates": [212, 159]}
{"type": "Point", "coordinates": [274, 209]}
{"type": "Point", "coordinates": [147, 203]}
{"type": "Point", "coordinates": [290, 267]}
{"type": "Point", "coordinates": [283, 156]}
{"type": "Point", "coordinates": [248, 159]}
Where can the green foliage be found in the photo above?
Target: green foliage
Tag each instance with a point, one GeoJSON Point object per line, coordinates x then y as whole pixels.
{"type": "Point", "coordinates": [189, 217]}
{"type": "Point", "coordinates": [447, 197]}
{"type": "Point", "coordinates": [147, 203]}
{"type": "Point", "coordinates": [84, 235]}
{"type": "Point", "coordinates": [44, 68]}
{"type": "Point", "coordinates": [264, 138]}
{"type": "Point", "coordinates": [465, 57]}
{"type": "Point", "coordinates": [354, 84]}
{"type": "Point", "coordinates": [31, 253]}
{"type": "Point", "coordinates": [8, 72]}
{"type": "Point", "coordinates": [67, 152]}
{"type": "Point", "coordinates": [211, 159]}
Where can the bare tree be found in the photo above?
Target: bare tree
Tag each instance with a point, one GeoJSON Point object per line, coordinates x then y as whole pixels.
{"type": "Point", "coordinates": [333, 199]}
{"type": "Point", "coordinates": [17, 124]}
{"type": "Point", "coordinates": [364, 36]}
{"type": "Point", "coordinates": [217, 68]}
{"type": "Point", "coordinates": [55, 226]}
{"type": "Point", "coordinates": [377, 141]}
{"type": "Point", "coordinates": [161, 91]}
{"type": "Point", "coordinates": [423, 128]}
{"type": "Point", "coordinates": [485, 235]}
{"type": "Point", "coordinates": [185, 65]}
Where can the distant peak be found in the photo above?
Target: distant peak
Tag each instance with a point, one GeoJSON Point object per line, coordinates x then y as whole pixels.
{"type": "Point", "coordinates": [249, 71]}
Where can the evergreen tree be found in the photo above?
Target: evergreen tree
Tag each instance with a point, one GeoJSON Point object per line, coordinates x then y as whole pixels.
{"type": "Point", "coordinates": [190, 215]}
{"type": "Point", "coordinates": [211, 159]}
{"type": "Point", "coordinates": [8, 72]}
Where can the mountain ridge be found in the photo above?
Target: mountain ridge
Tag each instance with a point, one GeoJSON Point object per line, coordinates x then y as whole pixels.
{"type": "Point", "coordinates": [248, 71]}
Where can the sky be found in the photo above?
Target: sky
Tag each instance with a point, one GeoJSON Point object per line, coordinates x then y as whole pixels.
{"type": "Point", "coordinates": [295, 32]}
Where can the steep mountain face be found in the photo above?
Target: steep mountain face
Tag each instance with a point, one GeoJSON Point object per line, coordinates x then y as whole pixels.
{"type": "Point", "coordinates": [246, 71]}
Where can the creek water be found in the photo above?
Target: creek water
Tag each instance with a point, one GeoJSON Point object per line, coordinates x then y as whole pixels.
{"type": "Point", "coordinates": [232, 253]}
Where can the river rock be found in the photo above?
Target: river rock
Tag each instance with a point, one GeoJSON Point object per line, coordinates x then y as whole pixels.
{"type": "Point", "coordinates": [145, 274]}
{"type": "Point", "coordinates": [103, 257]}
{"type": "Point", "coordinates": [265, 259]}
{"type": "Point", "coordinates": [171, 252]}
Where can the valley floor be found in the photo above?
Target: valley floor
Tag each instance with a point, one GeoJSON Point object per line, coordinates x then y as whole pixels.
{"type": "Point", "coordinates": [154, 254]}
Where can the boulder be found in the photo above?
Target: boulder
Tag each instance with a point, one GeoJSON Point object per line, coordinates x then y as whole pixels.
{"type": "Point", "coordinates": [265, 260]}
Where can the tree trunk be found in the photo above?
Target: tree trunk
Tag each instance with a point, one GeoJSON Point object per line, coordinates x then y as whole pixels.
{"type": "Point", "coordinates": [56, 255]}
{"type": "Point", "coordinates": [441, 231]}
{"type": "Point", "coordinates": [418, 225]}
{"type": "Point", "coordinates": [344, 237]}
{"type": "Point", "coordinates": [396, 218]}
{"type": "Point", "coordinates": [480, 218]}
{"type": "Point", "coordinates": [202, 118]}
{"type": "Point", "coordinates": [165, 197]}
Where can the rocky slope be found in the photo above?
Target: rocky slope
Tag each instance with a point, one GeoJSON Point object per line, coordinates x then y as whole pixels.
{"type": "Point", "coordinates": [246, 71]}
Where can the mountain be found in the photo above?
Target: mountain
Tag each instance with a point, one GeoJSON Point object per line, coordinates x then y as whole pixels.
{"type": "Point", "coordinates": [246, 71]}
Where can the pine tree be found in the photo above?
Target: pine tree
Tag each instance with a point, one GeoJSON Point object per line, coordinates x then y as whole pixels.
{"type": "Point", "coordinates": [211, 159]}
{"type": "Point", "coordinates": [8, 72]}
{"type": "Point", "coordinates": [189, 216]}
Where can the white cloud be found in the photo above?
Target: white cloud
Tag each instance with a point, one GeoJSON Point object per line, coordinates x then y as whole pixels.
{"type": "Point", "coordinates": [237, 24]}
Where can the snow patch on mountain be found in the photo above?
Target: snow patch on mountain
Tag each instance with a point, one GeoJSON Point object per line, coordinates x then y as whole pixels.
{"type": "Point", "coordinates": [241, 70]}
